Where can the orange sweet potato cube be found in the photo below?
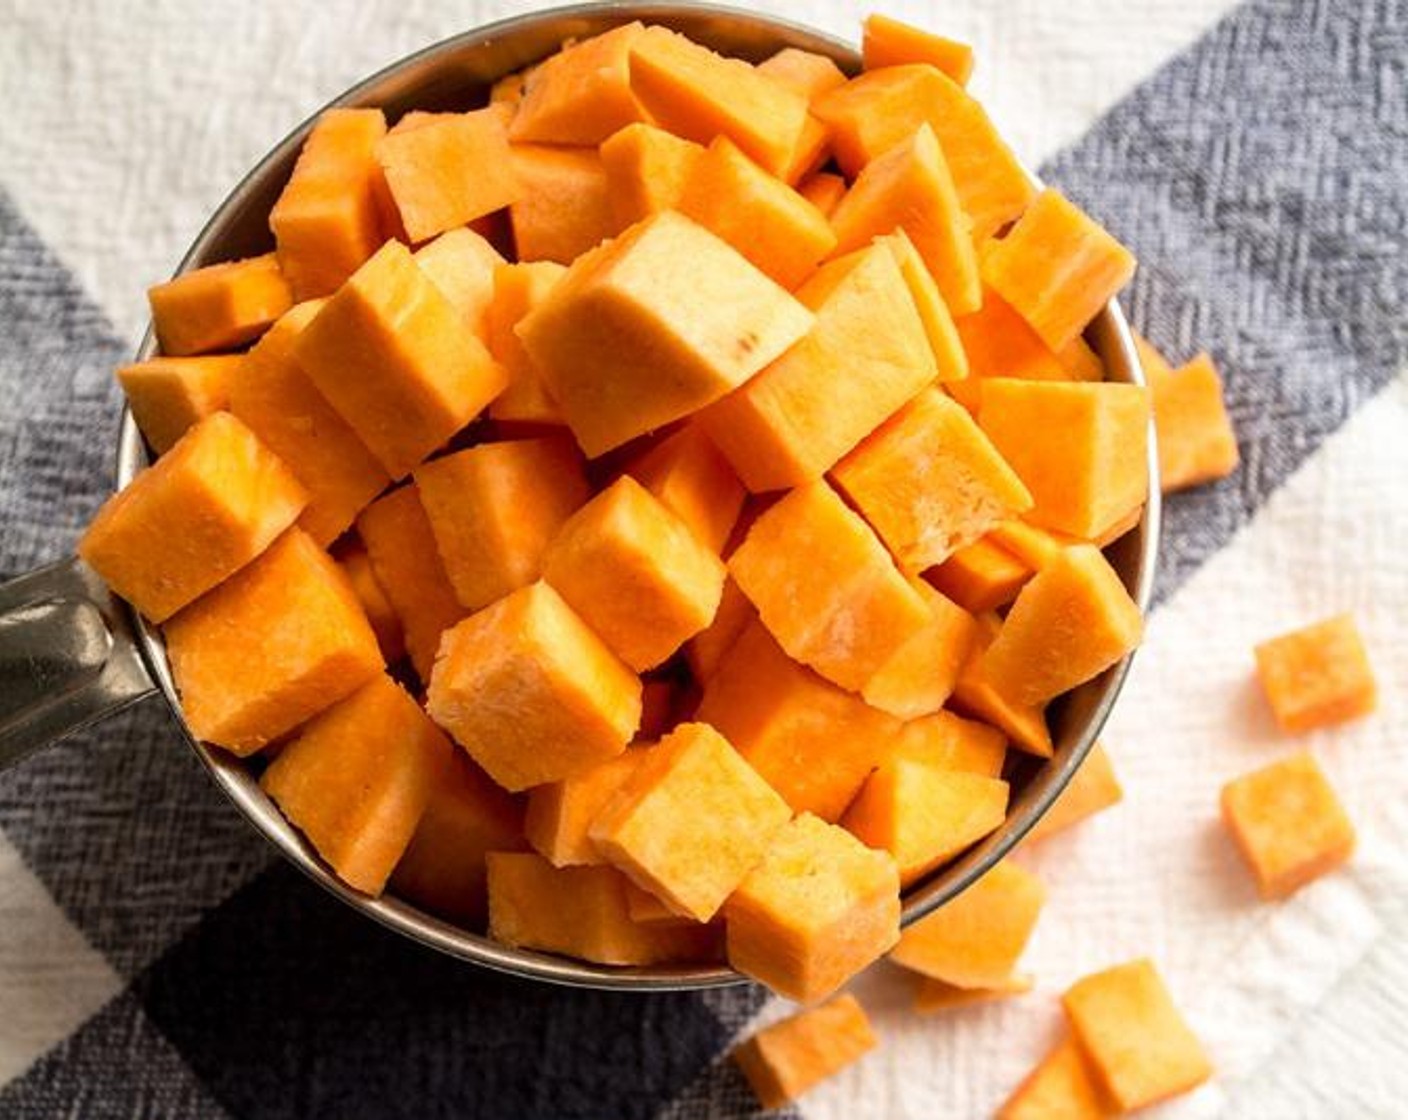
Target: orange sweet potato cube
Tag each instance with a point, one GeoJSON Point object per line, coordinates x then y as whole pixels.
{"type": "Point", "coordinates": [981, 576]}
{"type": "Point", "coordinates": [1032, 545]}
{"type": "Point", "coordinates": [351, 555]}
{"type": "Point", "coordinates": [808, 73]}
{"type": "Point", "coordinates": [707, 650]}
{"type": "Point", "coordinates": [1140, 1049]}
{"type": "Point", "coordinates": [170, 395]}
{"type": "Point", "coordinates": [395, 359]}
{"type": "Point", "coordinates": [560, 813]}
{"type": "Point", "coordinates": [784, 1060]}
{"type": "Point", "coordinates": [357, 779]}
{"type": "Point", "coordinates": [1072, 621]}
{"type": "Point", "coordinates": [889, 42]}
{"type": "Point", "coordinates": [920, 675]}
{"type": "Point", "coordinates": [823, 190]}
{"type": "Point", "coordinates": [692, 478]}
{"type": "Point", "coordinates": [518, 288]}
{"type": "Point", "coordinates": [448, 170]}
{"type": "Point", "coordinates": [866, 355]}
{"type": "Point", "coordinates": [826, 588]}
{"type": "Point", "coordinates": [444, 869]}
{"type": "Point", "coordinates": [772, 225]}
{"type": "Point", "coordinates": [204, 510]}
{"type": "Point", "coordinates": [998, 343]}
{"type": "Point", "coordinates": [1196, 440]}
{"type": "Point", "coordinates": [582, 912]}
{"type": "Point", "coordinates": [462, 263]}
{"type": "Point", "coordinates": [924, 816]}
{"type": "Point", "coordinates": [691, 821]}
{"type": "Point", "coordinates": [697, 94]}
{"type": "Point", "coordinates": [1081, 449]}
{"type": "Point", "coordinates": [636, 573]}
{"type": "Point", "coordinates": [1092, 788]}
{"type": "Point", "coordinates": [975, 940]}
{"type": "Point", "coordinates": [939, 325]}
{"type": "Point", "coordinates": [581, 95]}
{"type": "Point", "coordinates": [218, 307]}
{"type": "Point", "coordinates": [653, 326]}
{"type": "Point", "coordinates": [977, 695]}
{"type": "Point", "coordinates": [1318, 675]}
{"type": "Point", "coordinates": [401, 545]}
{"type": "Point", "coordinates": [564, 207]}
{"type": "Point", "coordinates": [275, 398]}
{"type": "Point", "coordinates": [910, 187]}
{"type": "Point", "coordinates": [646, 170]}
{"type": "Point", "coordinates": [819, 908]}
{"type": "Point", "coordinates": [494, 509]}
{"type": "Point", "coordinates": [1057, 268]}
{"type": "Point", "coordinates": [949, 742]}
{"type": "Point", "coordinates": [1062, 1084]}
{"type": "Point", "coordinates": [314, 646]}
{"type": "Point", "coordinates": [1288, 824]}
{"type": "Point", "coordinates": [530, 692]}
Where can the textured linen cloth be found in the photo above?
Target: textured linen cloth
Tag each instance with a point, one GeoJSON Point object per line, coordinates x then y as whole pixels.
{"type": "Point", "coordinates": [157, 960]}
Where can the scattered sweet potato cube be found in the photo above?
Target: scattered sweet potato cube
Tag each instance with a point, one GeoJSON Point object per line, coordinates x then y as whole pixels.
{"type": "Point", "coordinates": [204, 510]}
{"type": "Point", "coordinates": [1140, 1049]}
{"type": "Point", "coordinates": [518, 288]}
{"type": "Point", "coordinates": [823, 190]}
{"type": "Point", "coordinates": [1062, 1084]}
{"type": "Point", "coordinates": [977, 695]}
{"type": "Point", "coordinates": [981, 576]}
{"type": "Point", "coordinates": [934, 996]}
{"type": "Point", "coordinates": [530, 692]}
{"type": "Point", "coordinates": [218, 307]}
{"type": "Point", "coordinates": [784, 1060]}
{"type": "Point", "coordinates": [1288, 824]}
{"type": "Point", "coordinates": [939, 325]}
{"type": "Point", "coordinates": [807, 72]}
{"type": "Point", "coordinates": [705, 652]}
{"type": "Point", "coordinates": [462, 264]}
{"type": "Point", "coordinates": [582, 95]}
{"type": "Point", "coordinates": [692, 478]}
{"type": "Point", "coordinates": [1092, 788]}
{"type": "Point", "coordinates": [646, 170]}
{"type": "Point", "coordinates": [819, 908]}
{"type": "Point", "coordinates": [889, 42]}
{"type": "Point", "coordinates": [1318, 675]}
{"type": "Point", "coordinates": [1196, 441]}
{"type": "Point", "coordinates": [919, 677]}
{"type": "Point", "coordinates": [691, 821]}
{"type": "Point", "coordinates": [564, 207]}
{"type": "Point", "coordinates": [351, 555]}
{"type": "Point", "coordinates": [560, 813]}
{"type": "Point", "coordinates": [357, 779]}
{"type": "Point", "coordinates": [949, 742]}
{"type": "Point", "coordinates": [294, 607]}
{"type": "Point", "coordinates": [170, 395]}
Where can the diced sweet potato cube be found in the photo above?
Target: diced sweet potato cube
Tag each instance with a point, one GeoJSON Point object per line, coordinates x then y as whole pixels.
{"type": "Point", "coordinates": [691, 821]}
{"type": "Point", "coordinates": [662, 321]}
{"type": "Point", "coordinates": [977, 695]}
{"type": "Point", "coordinates": [461, 263]}
{"type": "Point", "coordinates": [889, 42]}
{"type": "Point", "coordinates": [924, 816]}
{"type": "Point", "coordinates": [939, 326]}
{"type": "Point", "coordinates": [328, 220]}
{"type": "Point", "coordinates": [1032, 545]}
{"type": "Point", "coordinates": [1317, 675]}
{"type": "Point", "coordinates": [294, 609]}
{"type": "Point", "coordinates": [1081, 449]}
{"type": "Point", "coordinates": [518, 288]}
{"type": "Point", "coordinates": [1092, 788]}
{"type": "Point", "coordinates": [636, 573]}
{"type": "Point", "coordinates": [564, 207]}
{"type": "Point", "coordinates": [1140, 1049]}
{"type": "Point", "coordinates": [357, 779]}
{"type": "Point", "coordinates": [494, 509]}
{"type": "Point", "coordinates": [646, 170]}
{"type": "Point", "coordinates": [275, 398]}
{"type": "Point", "coordinates": [948, 742]}
{"type": "Point", "coordinates": [448, 170]}
{"type": "Point", "coordinates": [218, 307]}
{"type": "Point", "coordinates": [204, 510]}
{"type": "Point", "coordinates": [999, 343]}
{"type": "Point", "coordinates": [981, 576]}
{"type": "Point", "coordinates": [930, 482]}
{"type": "Point", "coordinates": [783, 1061]}
{"type": "Point", "coordinates": [934, 996]}
{"type": "Point", "coordinates": [583, 94]}
{"type": "Point", "coordinates": [692, 478]}
{"type": "Point", "coordinates": [395, 359]}
{"type": "Point", "coordinates": [1288, 824]}
{"type": "Point", "coordinates": [975, 940]}
{"type": "Point", "coordinates": [866, 355]}
{"type": "Point", "coordinates": [1061, 1085]}
{"type": "Point", "coordinates": [1072, 621]}
{"type": "Point", "coordinates": [1196, 441]}
{"type": "Point", "coordinates": [170, 395]}
{"type": "Point", "coordinates": [356, 564]}
{"type": "Point", "coordinates": [560, 813]}
{"type": "Point", "coordinates": [807, 72]}
{"type": "Point", "coordinates": [707, 650]}
{"type": "Point", "coordinates": [698, 94]}
{"type": "Point", "coordinates": [582, 912]}
{"type": "Point", "coordinates": [1057, 268]}
{"type": "Point", "coordinates": [826, 588]}
{"type": "Point", "coordinates": [819, 908]}
{"type": "Point", "coordinates": [530, 692]}
{"type": "Point", "coordinates": [444, 869]}
{"type": "Point", "coordinates": [823, 190]}
{"type": "Point", "coordinates": [909, 187]}
{"type": "Point", "coordinates": [921, 674]}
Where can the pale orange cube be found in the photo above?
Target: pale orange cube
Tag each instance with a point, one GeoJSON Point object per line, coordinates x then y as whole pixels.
{"type": "Point", "coordinates": [919, 677]}
{"type": "Point", "coordinates": [949, 742]}
{"type": "Point", "coordinates": [977, 695]}
{"type": "Point", "coordinates": [395, 359]}
{"type": "Point", "coordinates": [357, 779]}
{"type": "Point", "coordinates": [819, 909]}
{"type": "Point", "coordinates": [889, 42]}
{"type": "Point", "coordinates": [823, 190]}
{"type": "Point", "coordinates": [494, 509]}
{"type": "Point", "coordinates": [925, 816]}
{"type": "Point", "coordinates": [1288, 824]}
{"type": "Point", "coordinates": [707, 650]}
{"type": "Point", "coordinates": [1092, 788]}
{"type": "Point", "coordinates": [999, 343]}
{"type": "Point", "coordinates": [218, 307]}
{"type": "Point", "coordinates": [351, 555]}
{"type": "Point", "coordinates": [560, 813]}
{"type": "Point", "coordinates": [1318, 675]}
{"type": "Point", "coordinates": [201, 512]}
{"type": "Point", "coordinates": [692, 478]}
{"type": "Point", "coordinates": [939, 325]}
{"type": "Point", "coordinates": [530, 692]}
{"type": "Point", "coordinates": [662, 321]}
{"type": "Point", "coordinates": [826, 588]}
{"type": "Point", "coordinates": [784, 1060]}
{"type": "Point", "coordinates": [646, 170]}
{"type": "Point", "coordinates": [1062, 1085]}
{"type": "Point", "coordinates": [975, 940]}
{"type": "Point", "coordinates": [807, 72]}
{"type": "Point", "coordinates": [462, 264]}
{"type": "Point", "coordinates": [934, 996]}
{"type": "Point", "coordinates": [1140, 1049]}
{"type": "Point", "coordinates": [1195, 437]}
{"type": "Point", "coordinates": [518, 288]}
{"type": "Point", "coordinates": [982, 576]}
{"type": "Point", "coordinates": [170, 395]}
{"type": "Point", "coordinates": [690, 822]}
{"type": "Point", "coordinates": [564, 207]}
{"type": "Point", "coordinates": [637, 574]}
{"type": "Point", "coordinates": [581, 95]}
{"type": "Point", "coordinates": [294, 607]}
